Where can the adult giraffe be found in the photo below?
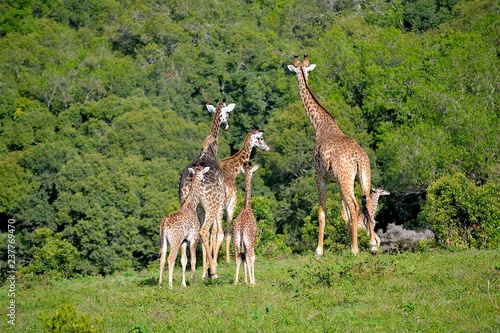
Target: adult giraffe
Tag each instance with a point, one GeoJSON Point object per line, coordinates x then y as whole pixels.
{"type": "Point", "coordinates": [337, 158]}
{"type": "Point", "coordinates": [211, 193]}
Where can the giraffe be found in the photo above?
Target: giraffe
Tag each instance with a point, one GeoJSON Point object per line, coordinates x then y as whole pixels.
{"type": "Point", "coordinates": [362, 218]}
{"type": "Point", "coordinates": [245, 229]}
{"type": "Point", "coordinates": [230, 169]}
{"type": "Point", "coordinates": [337, 158]}
{"type": "Point", "coordinates": [180, 227]}
{"type": "Point", "coordinates": [211, 194]}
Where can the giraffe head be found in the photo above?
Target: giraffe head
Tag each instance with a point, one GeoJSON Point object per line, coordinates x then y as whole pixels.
{"type": "Point", "coordinates": [380, 191]}
{"type": "Point", "coordinates": [247, 167]}
{"type": "Point", "coordinates": [301, 68]}
{"type": "Point", "coordinates": [221, 112]}
{"type": "Point", "coordinates": [257, 140]}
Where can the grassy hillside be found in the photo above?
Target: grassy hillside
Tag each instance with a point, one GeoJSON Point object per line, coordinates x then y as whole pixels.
{"type": "Point", "coordinates": [414, 292]}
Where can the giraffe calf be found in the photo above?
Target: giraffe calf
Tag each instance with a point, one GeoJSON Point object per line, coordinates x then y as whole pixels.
{"type": "Point", "coordinates": [245, 230]}
{"type": "Point", "coordinates": [180, 227]}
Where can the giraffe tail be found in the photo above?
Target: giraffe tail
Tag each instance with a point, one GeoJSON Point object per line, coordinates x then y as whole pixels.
{"type": "Point", "coordinates": [364, 210]}
{"type": "Point", "coordinates": [163, 242]}
{"type": "Point", "coordinates": [242, 256]}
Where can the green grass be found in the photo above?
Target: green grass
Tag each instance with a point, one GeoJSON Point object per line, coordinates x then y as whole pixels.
{"type": "Point", "coordinates": [437, 291]}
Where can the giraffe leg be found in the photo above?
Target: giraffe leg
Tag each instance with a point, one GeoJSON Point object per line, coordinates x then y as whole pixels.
{"type": "Point", "coordinates": [237, 257]}
{"type": "Point", "coordinates": [204, 260]}
{"type": "Point", "coordinates": [364, 177]}
{"type": "Point", "coordinates": [354, 208]}
{"type": "Point", "coordinates": [230, 213]}
{"type": "Point", "coordinates": [171, 262]}
{"type": "Point", "coordinates": [184, 261]}
{"type": "Point", "coordinates": [374, 239]}
{"type": "Point", "coordinates": [351, 206]}
{"type": "Point", "coordinates": [320, 184]}
{"type": "Point", "coordinates": [220, 234]}
{"type": "Point", "coordinates": [213, 239]}
{"type": "Point", "coordinates": [192, 249]}
{"type": "Point", "coordinates": [163, 254]}
{"type": "Point", "coordinates": [251, 265]}
{"type": "Point", "coordinates": [245, 268]}
{"type": "Point", "coordinates": [345, 216]}
{"type": "Point", "coordinates": [205, 237]}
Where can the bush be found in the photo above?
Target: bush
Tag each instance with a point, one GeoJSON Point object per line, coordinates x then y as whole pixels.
{"type": "Point", "coordinates": [269, 244]}
{"type": "Point", "coordinates": [55, 257]}
{"type": "Point", "coordinates": [66, 320]}
{"type": "Point", "coordinates": [397, 239]}
{"type": "Point", "coordinates": [462, 214]}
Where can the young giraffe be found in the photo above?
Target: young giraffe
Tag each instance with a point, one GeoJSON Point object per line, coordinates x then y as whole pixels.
{"type": "Point", "coordinates": [211, 194]}
{"type": "Point", "coordinates": [230, 169]}
{"type": "Point", "coordinates": [362, 218]}
{"type": "Point", "coordinates": [338, 158]}
{"type": "Point", "coordinates": [245, 229]}
{"type": "Point", "coordinates": [181, 227]}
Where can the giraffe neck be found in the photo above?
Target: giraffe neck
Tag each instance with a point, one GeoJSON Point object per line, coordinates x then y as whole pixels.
{"type": "Point", "coordinates": [193, 199]}
{"type": "Point", "coordinates": [211, 144]}
{"type": "Point", "coordinates": [375, 197]}
{"type": "Point", "coordinates": [247, 204]}
{"type": "Point", "coordinates": [322, 120]}
{"type": "Point", "coordinates": [210, 148]}
{"type": "Point", "coordinates": [238, 159]}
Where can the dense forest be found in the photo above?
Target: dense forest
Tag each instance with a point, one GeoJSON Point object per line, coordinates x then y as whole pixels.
{"type": "Point", "coordinates": [103, 104]}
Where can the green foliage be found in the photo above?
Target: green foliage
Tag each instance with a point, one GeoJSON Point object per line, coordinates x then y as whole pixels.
{"type": "Point", "coordinates": [421, 15]}
{"type": "Point", "coordinates": [53, 256]}
{"type": "Point", "coordinates": [66, 320]}
{"type": "Point", "coordinates": [412, 159]}
{"type": "Point", "coordinates": [462, 214]}
{"type": "Point", "coordinates": [16, 185]}
{"type": "Point", "coordinates": [103, 103]}
{"type": "Point", "coordinates": [269, 244]}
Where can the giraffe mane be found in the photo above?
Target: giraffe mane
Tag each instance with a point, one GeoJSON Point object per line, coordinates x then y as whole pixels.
{"type": "Point", "coordinates": [314, 97]}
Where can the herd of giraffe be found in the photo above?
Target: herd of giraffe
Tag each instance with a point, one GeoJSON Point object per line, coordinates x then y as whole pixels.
{"type": "Point", "coordinates": [207, 189]}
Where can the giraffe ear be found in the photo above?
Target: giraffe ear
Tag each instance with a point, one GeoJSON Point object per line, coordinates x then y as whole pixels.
{"type": "Point", "coordinates": [311, 67]}
{"type": "Point", "coordinates": [205, 170]}
{"type": "Point", "coordinates": [229, 108]}
{"type": "Point", "coordinates": [211, 108]}
{"type": "Point", "coordinates": [254, 168]}
{"type": "Point", "coordinates": [292, 68]}
{"type": "Point", "coordinates": [191, 171]}
{"type": "Point", "coordinates": [240, 169]}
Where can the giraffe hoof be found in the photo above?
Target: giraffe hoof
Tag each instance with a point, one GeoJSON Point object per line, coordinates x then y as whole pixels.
{"type": "Point", "coordinates": [374, 250]}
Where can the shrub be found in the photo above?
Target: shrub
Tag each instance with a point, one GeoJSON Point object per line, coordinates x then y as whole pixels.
{"type": "Point", "coordinates": [462, 214]}
{"type": "Point", "coordinates": [55, 257]}
{"type": "Point", "coordinates": [66, 320]}
{"type": "Point", "coordinates": [269, 244]}
{"type": "Point", "coordinates": [397, 239]}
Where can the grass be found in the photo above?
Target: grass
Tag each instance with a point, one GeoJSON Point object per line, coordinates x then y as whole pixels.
{"type": "Point", "coordinates": [437, 291]}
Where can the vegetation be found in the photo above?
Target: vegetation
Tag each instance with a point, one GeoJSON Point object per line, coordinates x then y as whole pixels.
{"type": "Point", "coordinates": [102, 105]}
{"type": "Point", "coordinates": [437, 291]}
